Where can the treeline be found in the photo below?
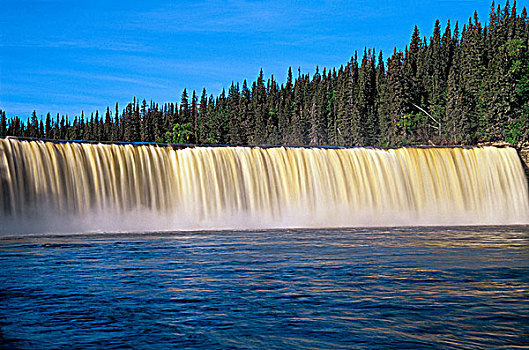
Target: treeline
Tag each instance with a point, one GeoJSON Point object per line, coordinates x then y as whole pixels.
{"type": "Point", "coordinates": [461, 86]}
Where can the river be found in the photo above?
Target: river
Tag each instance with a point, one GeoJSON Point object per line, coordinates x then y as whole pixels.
{"type": "Point", "coordinates": [406, 287]}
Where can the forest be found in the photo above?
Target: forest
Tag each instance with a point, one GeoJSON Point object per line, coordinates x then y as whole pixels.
{"type": "Point", "coordinates": [464, 85]}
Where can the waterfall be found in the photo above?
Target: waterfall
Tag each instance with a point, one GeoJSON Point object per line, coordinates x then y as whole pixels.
{"type": "Point", "coordinates": [154, 187]}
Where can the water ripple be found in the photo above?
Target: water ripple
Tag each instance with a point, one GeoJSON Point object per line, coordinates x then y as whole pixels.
{"type": "Point", "coordinates": [300, 289]}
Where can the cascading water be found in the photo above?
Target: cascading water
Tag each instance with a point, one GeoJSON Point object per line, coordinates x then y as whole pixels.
{"type": "Point", "coordinates": [149, 187]}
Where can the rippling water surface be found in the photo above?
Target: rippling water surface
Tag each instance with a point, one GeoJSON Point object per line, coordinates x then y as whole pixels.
{"type": "Point", "coordinates": [348, 288]}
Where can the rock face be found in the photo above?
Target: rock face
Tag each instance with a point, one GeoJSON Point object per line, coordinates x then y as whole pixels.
{"type": "Point", "coordinates": [523, 151]}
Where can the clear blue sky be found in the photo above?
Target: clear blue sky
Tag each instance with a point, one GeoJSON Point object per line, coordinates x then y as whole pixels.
{"type": "Point", "coordinates": [64, 56]}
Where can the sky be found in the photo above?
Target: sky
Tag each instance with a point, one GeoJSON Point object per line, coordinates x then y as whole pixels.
{"type": "Point", "coordinates": [62, 56]}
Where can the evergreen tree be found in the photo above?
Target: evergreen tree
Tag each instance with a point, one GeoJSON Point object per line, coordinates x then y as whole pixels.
{"type": "Point", "coordinates": [33, 125]}
{"type": "Point", "coordinates": [260, 112]}
{"type": "Point", "coordinates": [47, 127]}
{"type": "Point", "coordinates": [245, 114]}
{"type": "Point", "coordinates": [116, 127]}
{"type": "Point", "coordinates": [107, 127]}
{"type": "Point", "coordinates": [346, 92]}
{"type": "Point", "coordinates": [185, 116]}
{"type": "Point", "coordinates": [3, 123]}
{"type": "Point", "coordinates": [132, 121]}
{"type": "Point", "coordinates": [202, 129]}
{"type": "Point", "coordinates": [317, 111]}
{"type": "Point", "coordinates": [234, 121]}
{"type": "Point", "coordinates": [194, 115]}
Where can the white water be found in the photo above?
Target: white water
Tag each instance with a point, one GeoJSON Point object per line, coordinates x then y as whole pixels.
{"type": "Point", "coordinates": [55, 187]}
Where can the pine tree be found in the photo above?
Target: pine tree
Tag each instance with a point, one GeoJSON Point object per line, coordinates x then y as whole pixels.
{"type": "Point", "coordinates": [194, 116]}
{"type": "Point", "coordinates": [234, 121]}
{"type": "Point", "coordinates": [272, 95]}
{"type": "Point", "coordinates": [260, 112]}
{"type": "Point", "coordinates": [146, 130]}
{"type": "Point", "coordinates": [47, 127]}
{"type": "Point", "coordinates": [132, 121]}
{"type": "Point", "coordinates": [116, 128]}
{"type": "Point", "coordinates": [184, 114]}
{"type": "Point", "coordinates": [107, 127]}
{"type": "Point", "coordinates": [246, 114]}
{"type": "Point", "coordinates": [471, 75]}
{"type": "Point", "coordinates": [317, 111]}
{"type": "Point", "coordinates": [33, 125]}
{"type": "Point", "coordinates": [203, 120]}
{"type": "Point", "coordinates": [3, 123]}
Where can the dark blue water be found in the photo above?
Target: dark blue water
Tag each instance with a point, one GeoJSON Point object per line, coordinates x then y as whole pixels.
{"type": "Point", "coordinates": [296, 289]}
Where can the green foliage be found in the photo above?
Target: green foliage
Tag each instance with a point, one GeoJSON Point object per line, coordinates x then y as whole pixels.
{"type": "Point", "coordinates": [515, 50]}
{"type": "Point", "coordinates": [516, 131]}
{"type": "Point", "coordinates": [181, 133]}
{"type": "Point", "coordinates": [413, 126]}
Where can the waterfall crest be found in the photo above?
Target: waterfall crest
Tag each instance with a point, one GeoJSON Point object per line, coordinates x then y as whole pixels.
{"type": "Point", "coordinates": [250, 187]}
